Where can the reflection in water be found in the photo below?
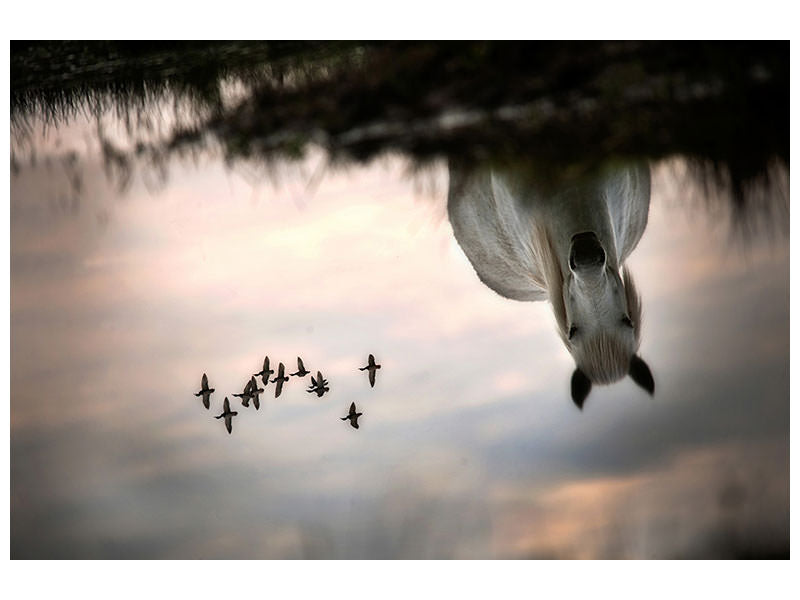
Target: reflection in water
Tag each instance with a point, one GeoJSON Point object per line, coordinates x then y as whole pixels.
{"type": "Point", "coordinates": [471, 450]}
{"type": "Point", "coordinates": [567, 244]}
{"type": "Point", "coordinates": [722, 105]}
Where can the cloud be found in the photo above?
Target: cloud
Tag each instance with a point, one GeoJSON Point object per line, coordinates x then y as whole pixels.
{"type": "Point", "coordinates": [673, 510]}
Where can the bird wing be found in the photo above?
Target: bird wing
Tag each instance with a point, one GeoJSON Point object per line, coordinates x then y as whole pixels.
{"type": "Point", "coordinates": [372, 378]}
{"type": "Point", "coordinates": [205, 400]}
{"type": "Point", "coordinates": [278, 387]}
{"type": "Point", "coordinates": [228, 423]}
{"type": "Point", "coordinates": [353, 408]}
{"type": "Point", "coordinates": [266, 364]}
{"type": "Point", "coordinates": [300, 366]}
{"type": "Point", "coordinates": [371, 360]}
{"type": "Point", "coordinates": [204, 384]}
{"type": "Point", "coordinates": [226, 406]}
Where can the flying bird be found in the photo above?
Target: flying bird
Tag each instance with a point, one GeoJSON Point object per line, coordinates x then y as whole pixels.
{"type": "Point", "coordinates": [318, 385]}
{"type": "Point", "coordinates": [301, 370]}
{"type": "Point", "coordinates": [227, 414]}
{"type": "Point", "coordinates": [205, 391]}
{"type": "Point", "coordinates": [265, 372]}
{"type": "Point", "coordinates": [279, 380]}
{"type": "Point", "coordinates": [254, 392]}
{"type": "Point", "coordinates": [371, 367]}
{"type": "Point", "coordinates": [247, 394]}
{"type": "Point", "coordinates": [352, 416]}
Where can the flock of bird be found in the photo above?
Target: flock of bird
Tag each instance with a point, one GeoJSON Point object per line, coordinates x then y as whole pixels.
{"type": "Point", "coordinates": [251, 392]}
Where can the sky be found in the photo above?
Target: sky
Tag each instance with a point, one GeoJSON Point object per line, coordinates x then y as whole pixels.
{"type": "Point", "coordinates": [469, 446]}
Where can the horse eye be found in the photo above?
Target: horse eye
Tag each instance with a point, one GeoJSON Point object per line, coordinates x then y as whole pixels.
{"type": "Point", "coordinates": [626, 320]}
{"type": "Point", "coordinates": [572, 331]}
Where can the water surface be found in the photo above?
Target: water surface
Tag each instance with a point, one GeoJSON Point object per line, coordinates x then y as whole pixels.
{"type": "Point", "coordinates": [469, 445]}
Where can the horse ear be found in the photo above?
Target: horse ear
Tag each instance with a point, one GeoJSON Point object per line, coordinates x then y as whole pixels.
{"type": "Point", "coordinates": [581, 386]}
{"type": "Point", "coordinates": [640, 373]}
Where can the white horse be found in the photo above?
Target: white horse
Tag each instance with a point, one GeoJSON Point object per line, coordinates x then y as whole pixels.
{"type": "Point", "coordinates": [566, 243]}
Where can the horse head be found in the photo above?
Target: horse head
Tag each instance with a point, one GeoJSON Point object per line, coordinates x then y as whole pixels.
{"type": "Point", "coordinates": [566, 245]}
{"type": "Point", "coordinates": [602, 321]}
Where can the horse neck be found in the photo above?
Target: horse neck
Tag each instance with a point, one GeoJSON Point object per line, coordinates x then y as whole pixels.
{"type": "Point", "coordinates": [613, 205]}
{"type": "Point", "coordinates": [514, 230]}
{"type": "Point", "coordinates": [577, 211]}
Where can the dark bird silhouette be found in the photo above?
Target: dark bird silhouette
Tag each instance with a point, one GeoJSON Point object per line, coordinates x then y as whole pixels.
{"type": "Point", "coordinates": [371, 367]}
{"type": "Point", "coordinates": [205, 391]}
{"type": "Point", "coordinates": [254, 392]}
{"type": "Point", "coordinates": [279, 380]}
{"type": "Point", "coordinates": [318, 385]}
{"type": "Point", "coordinates": [265, 372]}
{"type": "Point", "coordinates": [227, 414]}
{"type": "Point", "coordinates": [247, 394]}
{"type": "Point", "coordinates": [352, 416]}
{"type": "Point", "coordinates": [301, 370]}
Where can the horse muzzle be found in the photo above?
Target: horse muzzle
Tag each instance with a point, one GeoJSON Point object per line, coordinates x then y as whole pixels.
{"type": "Point", "coordinates": [586, 253]}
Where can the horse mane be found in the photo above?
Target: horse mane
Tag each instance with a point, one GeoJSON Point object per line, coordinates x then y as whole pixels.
{"type": "Point", "coordinates": [549, 277]}
{"type": "Point", "coordinates": [634, 300]}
